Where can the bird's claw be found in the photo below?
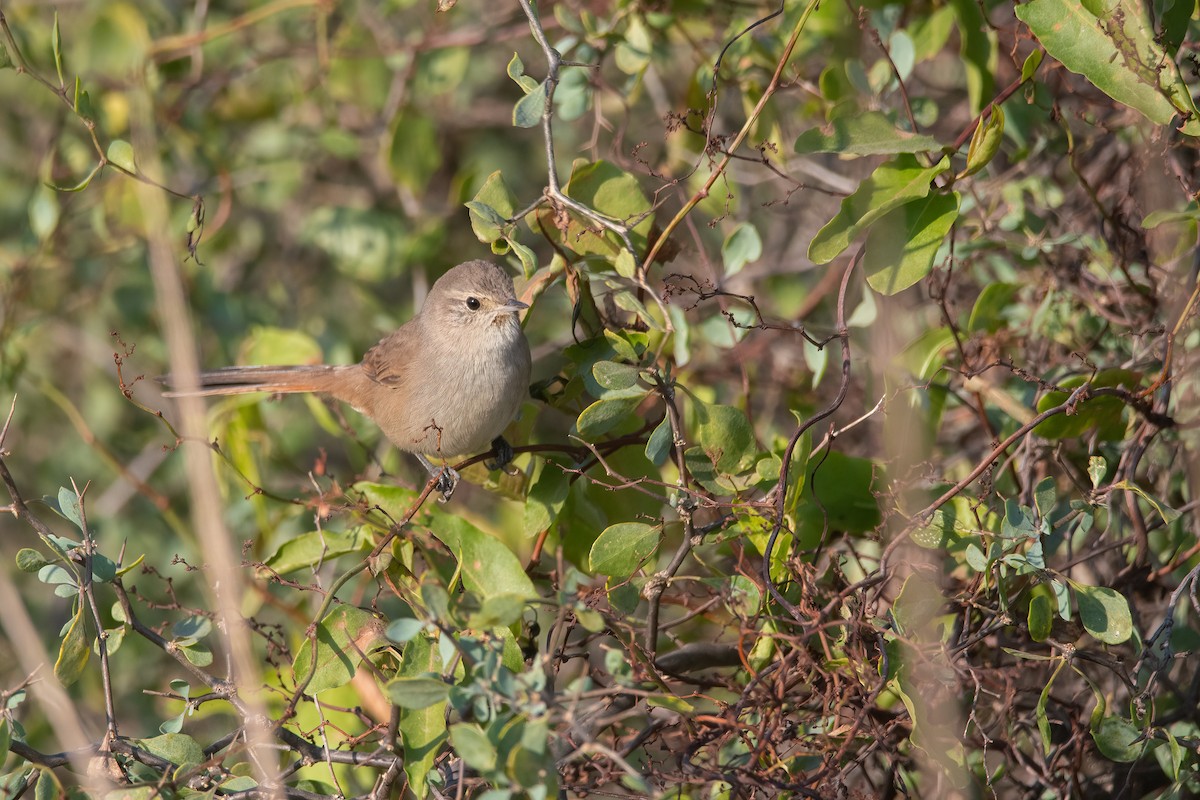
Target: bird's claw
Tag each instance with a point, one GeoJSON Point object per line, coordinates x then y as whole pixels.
{"type": "Point", "coordinates": [504, 454]}
{"type": "Point", "coordinates": [447, 482]}
{"type": "Point", "coordinates": [447, 476]}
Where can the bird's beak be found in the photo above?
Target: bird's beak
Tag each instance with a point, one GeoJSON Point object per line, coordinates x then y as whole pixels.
{"type": "Point", "coordinates": [511, 306]}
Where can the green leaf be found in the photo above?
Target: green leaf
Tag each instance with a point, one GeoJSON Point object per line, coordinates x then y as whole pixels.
{"type": "Point", "coordinates": [1045, 496]}
{"type": "Point", "coordinates": [403, 629]}
{"type": "Point", "coordinates": [487, 223]}
{"type": "Point", "coordinates": [528, 259]}
{"type": "Point", "coordinates": [500, 611]}
{"type": "Point", "coordinates": [1173, 763]}
{"type": "Point", "coordinates": [608, 189]}
{"type": "Point", "coordinates": [473, 746]}
{"type": "Point", "coordinates": [83, 103]}
{"type": "Point", "coordinates": [528, 111]}
{"type": "Point", "coordinates": [988, 313]}
{"type": "Point", "coordinates": [634, 48]}
{"type": "Point", "coordinates": [1117, 51]}
{"type": "Point", "coordinates": [546, 498]}
{"type": "Point", "coordinates": [191, 629]}
{"type": "Point", "coordinates": [344, 637]}
{"type": "Point", "coordinates": [942, 530]}
{"type": "Point", "coordinates": [56, 46]}
{"type": "Point", "coordinates": [866, 134]}
{"type": "Point", "coordinates": [617, 377]}
{"type": "Point", "coordinates": [620, 549]}
{"type": "Point", "coordinates": [44, 212]}
{"type": "Point", "coordinates": [890, 186]}
{"type": "Point", "coordinates": [516, 71]}
{"type": "Point", "coordinates": [930, 31]}
{"type": "Point", "coordinates": [491, 207]}
{"type": "Point", "coordinates": [422, 730]}
{"type": "Point", "coordinates": [73, 653]}
{"type": "Point", "coordinates": [1167, 513]}
{"type": "Point", "coordinates": [487, 566]}
{"type": "Point", "coordinates": [603, 415]}
{"type": "Point", "coordinates": [414, 153]}
{"type": "Point", "coordinates": [916, 230]}
{"type": "Point", "coordinates": [1063, 597]}
{"type": "Point", "coordinates": [309, 550]}
{"type": "Point", "coordinates": [1097, 469]}
{"type": "Point", "coordinates": [741, 247]}
{"type": "Point", "coordinates": [1105, 414]}
{"type": "Point", "coordinates": [980, 54]}
{"type": "Point", "coordinates": [1118, 739]}
{"type": "Point", "coordinates": [268, 345]}
{"type": "Point", "coordinates": [70, 507]}
{"type": "Point", "coordinates": [725, 435]}
{"type": "Point", "coordinates": [30, 560]}
{"type": "Point", "coordinates": [1174, 26]}
{"type": "Point", "coordinates": [920, 601]}
{"type": "Point", "coordinates": [120, 154]}
{"type": "Point", "coordinates": [625, 264]}
{"type": "Point", "coordinates": [417, 693]}
{"type": "Point", "coordinates": [839, 494]}
{"type": "Point", "coordinates": [985, 142]}
{"type": "Point", "coordinates": [1043, 721]}
{"type": "Point", "coordinates": [1157, 218]}
{"type": "Point", "coordinates": [82, 185]}
{"type": "Point", "coordinates": [1104, 613]}
{"type": "Point", "coordinates": [1040, 617]}
{"type": "Point", "coordinates": [1031, 64]}
{"type": "Point", "coordinates": [5, 736]}
{"type": "Point", "coordinates": [178, 748]}
{"type": "Point", "coordinates": [658, 446]}
{"type": "Point", "coordinates": [197, 654]}
{"type": "Point", "coordinates": [48, 786]}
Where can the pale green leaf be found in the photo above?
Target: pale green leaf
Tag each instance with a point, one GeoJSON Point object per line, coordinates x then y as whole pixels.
{"type": "Point", "coordinates": [620, 549]}
{"type": "Point", "coordinates": [985, 142]}
{"type": "Point", "coordinates": [1118, 739]}
{"type": "Point", "coordinates": [344, 637]}
{"type": "Point", "coordinates": [901, 246]}
{"type": "Point", "coordinates": [869, 133]}
{"type": "Point", "coordinates": [1117, 51]}
{"type": "Point", "coordinates": [422, 730]}
{"type": "Point", "coordinates": [73, 652]}
{"type": "Point", "coordinates": [528, 111]}
{"type": "Point", "coordinates": [120, 154]}
{"type": "Point", "coordinates": [893, 184]}
{"type": "Point", "coordinates": [741, 247]}
{"type": "Point", "coordinates": [1104, 613]}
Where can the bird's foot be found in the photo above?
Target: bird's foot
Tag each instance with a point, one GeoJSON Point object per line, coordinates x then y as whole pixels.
{"type": "Point", "coordinates": [447, 477]}
{"type": "Point", "coordinates": [447, 482]}
{"type": "Point", "coordinates": [504, 454]}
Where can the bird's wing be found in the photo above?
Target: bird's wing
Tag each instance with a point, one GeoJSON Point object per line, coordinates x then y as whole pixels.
{"type": "Point", "coordinates": [385, 362]}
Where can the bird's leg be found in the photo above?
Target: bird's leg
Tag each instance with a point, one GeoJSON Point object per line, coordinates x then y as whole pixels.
{"type": "Point", "coordinates": [447, 476]}
{"type": "Point", "coordinates": [504, 454]}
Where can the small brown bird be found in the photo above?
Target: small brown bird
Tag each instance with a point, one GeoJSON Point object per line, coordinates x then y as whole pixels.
{"type": "Point", "coordinates": [445, 383]}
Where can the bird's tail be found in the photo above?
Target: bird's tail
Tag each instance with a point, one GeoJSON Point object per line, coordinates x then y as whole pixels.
{"type": "Point", "coordinates": [276, 380]}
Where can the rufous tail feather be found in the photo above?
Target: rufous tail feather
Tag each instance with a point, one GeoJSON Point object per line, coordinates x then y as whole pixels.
{"type": "Point", "coordinates": [275, 380]}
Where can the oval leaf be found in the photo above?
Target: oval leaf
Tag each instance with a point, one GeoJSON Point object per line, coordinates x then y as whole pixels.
{"type": "Point", "coordinates": [1105, 614]}
{"type": "Point", "coordinates": [621, 548]}
{"type": "Point", "coordinates": [415, 694]}
{"type": "Point", "coordinates": [120, 154]}
{"type": "Point", "coordinates": [902, 245]}
{"type": "Point", "coordinates": [890, 186]}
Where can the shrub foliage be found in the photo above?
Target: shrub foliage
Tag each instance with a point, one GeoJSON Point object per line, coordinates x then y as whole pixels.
{"type": "Point", "coordinates": [861, 458]}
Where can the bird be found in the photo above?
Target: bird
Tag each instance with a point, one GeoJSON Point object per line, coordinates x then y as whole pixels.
{"type": "Point", "coordinates": [445, 383]}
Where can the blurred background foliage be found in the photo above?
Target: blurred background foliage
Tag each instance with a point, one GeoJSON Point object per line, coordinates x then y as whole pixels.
{"type": "Point", "coordinates": [940, 616]}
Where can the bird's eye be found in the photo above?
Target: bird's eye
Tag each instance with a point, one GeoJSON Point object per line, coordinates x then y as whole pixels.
{"type": "Point", "coordinates": [473, 303]}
